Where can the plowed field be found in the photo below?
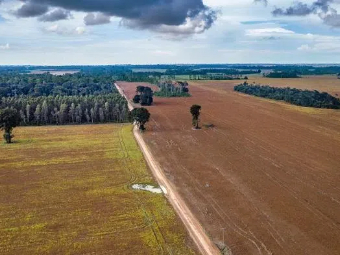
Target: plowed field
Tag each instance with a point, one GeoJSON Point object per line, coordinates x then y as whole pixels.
{"type": "Point", "coordinates": [267, 175]}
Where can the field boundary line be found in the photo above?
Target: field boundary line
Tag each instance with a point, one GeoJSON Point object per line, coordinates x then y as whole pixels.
{"type": "Point", "coordinates": [196, 231]}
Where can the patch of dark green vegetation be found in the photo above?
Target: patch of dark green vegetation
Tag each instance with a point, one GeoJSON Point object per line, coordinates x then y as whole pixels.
{"type": "Point", "coordinates": [171, 94]}
{"type": "Point", "coordinates": [144, 96]}
{"type": "Point", "coordinates": [206, 70]}
{"type": "Point", "coordinates": [306, 98]}
{"type": "Point", "coordinates": [170, 89]}
{"type": "Point", "coordinates": [282, 75]}
{"type": "Point", "coordinates": [46, 99]}
{"type": "Point", "coordinates": [62, 110]}
{"type": "Point", "coordinates": [78, 84]}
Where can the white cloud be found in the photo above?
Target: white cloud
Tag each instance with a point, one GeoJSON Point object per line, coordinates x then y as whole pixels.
{"type": "Point", "coordinates": [304, 47]}
{"type": "Point", "coordinates": [80, 30]}
{"type": "Point", "coordinates": [261, 32]}
{"type": "Point", "coordinates": [62, 30]}
{"type": "Point", "coordinates": [163, 53]}
{"type": "Point", "coordinates": [321, 47]}
{"type": "Point", "coordinates": [5, 46]}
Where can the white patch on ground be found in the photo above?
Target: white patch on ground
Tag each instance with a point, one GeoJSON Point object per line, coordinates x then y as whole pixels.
{"type": "Point", "coordinates": [148, 188]}
{"type": "Point", "coordinates": [164, 190]}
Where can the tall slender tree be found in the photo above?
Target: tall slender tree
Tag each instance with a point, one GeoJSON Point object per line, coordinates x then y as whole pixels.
{"type": "Point", "coordinates": [195, 111]}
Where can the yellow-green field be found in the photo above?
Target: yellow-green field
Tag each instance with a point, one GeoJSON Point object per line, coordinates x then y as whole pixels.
{"type": "Point", "coordinates": [66, 190]}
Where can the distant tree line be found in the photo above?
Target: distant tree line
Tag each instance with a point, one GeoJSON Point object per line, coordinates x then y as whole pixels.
{"type": "Point", "coordinates": [282, 75]}
{"type": "Point", "coordinates": [208, 71]}
{"type": "Point", "coordinates": [61, 110]}
{"type": "Point", "coordinates": [131, 76]}
{"type": "Point", "coordinates": [193, 69]}
{"type": "Point", "coordinates": [144, 96]}
{"type": "Point", "coordinates": [170, 89]}
{"type": "Point", "coordinates": [294, 96]}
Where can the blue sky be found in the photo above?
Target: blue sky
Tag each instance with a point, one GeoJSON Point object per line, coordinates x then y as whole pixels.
{"type": "Point", "coordinates": [244, 32]}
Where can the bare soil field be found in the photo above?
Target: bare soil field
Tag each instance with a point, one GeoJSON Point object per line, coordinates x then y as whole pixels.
{"type": "Point", "coordinates": [266, 175]}
{"type": "Point", "coordinates": [326, 83]}
{"type": "Point", "coordinates": [67, 190]}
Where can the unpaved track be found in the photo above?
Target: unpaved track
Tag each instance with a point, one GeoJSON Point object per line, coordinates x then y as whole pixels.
{"type": "Point", "coordinates": [196, 231]}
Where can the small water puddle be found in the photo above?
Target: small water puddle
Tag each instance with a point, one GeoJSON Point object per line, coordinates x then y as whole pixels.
{"type": "Point", "coordinates": [149, 188]}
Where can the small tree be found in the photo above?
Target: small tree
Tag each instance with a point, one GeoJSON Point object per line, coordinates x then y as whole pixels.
{"type": "Point", "coordinates": [140, 89]}
{"type": "Point", "coordinates": [140, 116]}
{"type": "Point", "coordinates": [9, 119]}
{"type": "Point", "coordinates": [136, 99]}
{"type": "Point", "coordinates": [195, 111]}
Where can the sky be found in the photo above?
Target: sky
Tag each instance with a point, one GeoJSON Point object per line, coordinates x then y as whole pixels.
{"type": "Point", "coordinates": [107, 32]}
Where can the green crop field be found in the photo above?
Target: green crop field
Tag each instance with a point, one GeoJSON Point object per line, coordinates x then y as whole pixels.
{"type": "Point", "coordinates": [67, 190]}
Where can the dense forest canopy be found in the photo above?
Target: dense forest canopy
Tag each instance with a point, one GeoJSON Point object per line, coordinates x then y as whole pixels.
{"type": "Point", "coordinates": [46, 99]}
{"type": "Point", "coordinates": [299, 97]}
{"type": "Point", "coordinates": [281, 75]}
{"type": "Point", "coordinates": [60, 110]}
{"type": "Point", "coordinates": [144, 96]}
{"type": "Point", "coordinates": [48, 84]}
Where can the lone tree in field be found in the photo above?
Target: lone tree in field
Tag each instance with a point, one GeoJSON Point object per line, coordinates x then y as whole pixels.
{"type": "Point", "coordinates": [144, 96]}
{"type": "Point", "coordinates": [9, 119]}
{"type": "Point", "coordinates": [140, 116]}
{"type": "Point", "coordinates": [195, 111]}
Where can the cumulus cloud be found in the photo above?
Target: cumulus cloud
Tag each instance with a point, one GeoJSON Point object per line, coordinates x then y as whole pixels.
{"type": "Point", "coordinates": [322, 8]}
{"type": "Point", "coordinates": [298, 9]}
{"type": "Point", "coordinates": [321, 47]}
{"type": "Point", "coordinates": [55, 15]}
{"type": "Point", "coordinates": [265, 2]}
{"type": "Point", "coordinates": [5, 46]}
{"type": "Point", "coordinates": [96, 19]}
{"type": "Point", "coordinates": [194, 24]}
{"type": "Point", "coordinates": [61, 30]}
{"type": "Point", "coordinates": [150, 14]}
{"type": "Point", "coordinates": [269, 32]}
{"type": "Point", "coordinates": [304, 47]}
{"type": "Point", "coordinates": [332, 19]}
{"type": "Point", "coordinates": [31, 9]}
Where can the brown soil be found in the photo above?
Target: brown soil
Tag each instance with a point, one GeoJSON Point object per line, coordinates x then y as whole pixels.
{"type": "Point", "coordinates": [268, 172]}
{"type": "Point", "coordinates": [326, 83]}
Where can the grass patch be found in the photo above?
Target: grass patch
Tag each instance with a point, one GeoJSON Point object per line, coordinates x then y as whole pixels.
{"type": "Point", "coordinates": [66, 190]}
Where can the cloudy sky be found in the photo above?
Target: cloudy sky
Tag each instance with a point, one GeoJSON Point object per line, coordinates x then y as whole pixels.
{"type": "Point", "coordinates": [68, 32]}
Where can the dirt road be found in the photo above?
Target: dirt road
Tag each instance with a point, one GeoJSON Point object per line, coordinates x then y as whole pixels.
{"type": "Point", "coordinates": [196, 231]}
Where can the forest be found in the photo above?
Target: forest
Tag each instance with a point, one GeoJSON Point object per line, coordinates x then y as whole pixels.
{"type": "Point", "coordinates": [294, 96]}
{"type": "Point", "coordinates": [170, 89]}
{"type": "Point", "coordinates": [209, 71]}
{"type": "Point", "coordinates": [46, 99]}
{"type": "Point", "coordinates": [183, 69]}
{"type": "Point", "coordinates": [78, 84]}
{"type": "Point", "coordinates": [282, 75]}
{"type": "Point", "coordinates": [61, 110]}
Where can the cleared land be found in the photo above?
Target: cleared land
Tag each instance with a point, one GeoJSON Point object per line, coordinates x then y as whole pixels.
{"type": "Point", "coordinates": [67, 190]}
{"type": "Point", "coordinates": [268, 172]}
{"type": "Point", "coordinates": [326, 83]}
